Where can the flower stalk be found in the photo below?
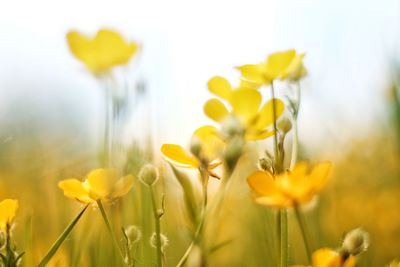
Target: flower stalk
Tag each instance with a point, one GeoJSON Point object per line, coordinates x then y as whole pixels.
{"type": "Point", "coordinates": [157, 225]}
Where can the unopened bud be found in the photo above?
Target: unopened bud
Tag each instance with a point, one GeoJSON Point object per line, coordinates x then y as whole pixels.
{"type": "Point", "coordinates": [195, 146]}
{"type": "Point", "coordinates": [356, 241]}
{"type": "Point", "coordinates": [233, 151]}
{"type": "Point", "coordinates": [163, 241]}
{"type": "Point", "coordinates": [285, 125]}
{"type": "Point", "coordinates": [133, 234]}
{"type": "Point", "coordinates": [232, 127]}
{"type": "Point", "coordinates": [148, 174]}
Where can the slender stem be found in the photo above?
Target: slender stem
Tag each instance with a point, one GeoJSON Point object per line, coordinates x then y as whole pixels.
{"type": "Point", "coordinates": [295, 145]}
{"type": "Point", "coordinates": [157, 227]}
{"type": "Point", "coordinates": [274, 117]}
{"type": "Point", "coordinates": [304, 231]}
{"type": "Point", "coordinates": [107, 125]}
{"type": "Point", "coordinates": [284, 249]}
{"type": "Point", "coordinates": [204, 180]}
{"type": "Point", "coordinates": [110, 230]}
{"type": "Point", "coordinates": [61, 239]}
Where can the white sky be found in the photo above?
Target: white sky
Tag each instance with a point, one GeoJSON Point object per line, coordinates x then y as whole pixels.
{"type": "Point", "coordinates": [349, 45]}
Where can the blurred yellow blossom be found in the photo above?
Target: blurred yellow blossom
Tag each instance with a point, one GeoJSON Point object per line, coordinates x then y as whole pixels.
{"type": "Point", "coordinates": [278, 66]}
{"type": "Point", "coordinates": [100, 184]}
{"type": "Point", "coordinates": [8, 208]}
{"type": "Point", "coordinates": [326, 257]}
{"type": "Point", "coordinates": [290, 187]}
{"type": "Point", "coordinates": [205, 147]}
{"type": "Point", "coordinates": [245, 105]}
{"type": "Point", "coordinates": [102, 52]}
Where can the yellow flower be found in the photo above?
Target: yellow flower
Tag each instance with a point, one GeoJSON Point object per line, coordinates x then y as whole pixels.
{"type": "Point", "coordinates": [8, 208]}
{"type": "Point", "coordinates": [280, 65]}
{"type": "Point", "coordinates": [245, 103]}
{"type": "Point", "coordinates": [326, 257]}
{"type": "Point", "coordinates": [103, 52]}
{"type": "Point", "coordinates": [205, 148]}
{"type": "Point", "coordinates": [100, 184]}
{"type": "Point", "coordinates": [290, 187]}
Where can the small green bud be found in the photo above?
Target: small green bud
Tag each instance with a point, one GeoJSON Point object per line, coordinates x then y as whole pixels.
{"type": "Point", "coordinates": [148, 175]}
{"type": "Point", "coordinates": [356, 241]}
{"type": "Point", "coordinates": [133, 234]}
{"type": "Point", "coordinates": [163, 239]}
{"type": "Point", "coordinates": [233, 151]}
{"type": "Point", "coordinates": [285, 125]}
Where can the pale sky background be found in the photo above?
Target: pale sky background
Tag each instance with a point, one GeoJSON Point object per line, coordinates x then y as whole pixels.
{"type": "Point", "coordinates": [349, 46]}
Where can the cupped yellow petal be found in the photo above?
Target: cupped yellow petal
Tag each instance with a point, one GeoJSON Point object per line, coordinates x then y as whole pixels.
{"type": "Point", "coordinates": [215, 110]}
{"type": "Point", "coordinates": [262, 183]}
{"type": "Point", "coordinates": [73, 188]}
{"type": "Point", "coordinates": [8, 209]}
{"type": "Point", "coordinates": [100, 182]}
{"type": "Point", "coordinates": [278, 62]}
{"type": "Point", "coordinates": [245, 104]}
{"type": "Point", "coordinates": [258, 135]}
{"type": "Point", "coordinates": [320, 174]}
{"type": "Point", "coordinates": [296, 69]}
{"type": "Point", "coordinates": [326, 257]}
{"type": "Point", "coordinates": [254, 73]}
{"type": "Point", "coordinates": [265, 116]}
{"type": "Point", "coordinates": [123, 186]}
{"type": "Point", "coordinates": [178, 156]}
{"type": "Point", "coordinates": [350, 262]}
{"type": "Point", "coordinates": [220, 87]}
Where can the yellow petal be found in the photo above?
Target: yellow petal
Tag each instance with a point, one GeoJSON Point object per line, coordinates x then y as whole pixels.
{"type": "Point", "coordinates": [100, 182]}
{"type": "Point", "coordinates": [296, 69]}
{"type": "Point", "coordinates": [350, 261]}
{"type": "Point", "coordinates": [320, 174]}
{"type": "Point", "coordinates": [258, 135]}
{"type": "Point", "coordinates": [245, 104]}
{"type": "Point", "coordinates": [73, 188]}
{"type": "Point", "coordinates": [254, 73]}
{"type": "Point", "coordinates": [220, 87]}
{"type": "Point", "coordinates": [326, 257]}
{"type": "Point", "coordinates": [8, 208]}
{"type": "Point", "coordinates": [178, 156]}
{"type": "Point", "coordinates": [276, 201]}
{"type": "Point", "coordinates": [215, 110]}
{"type": "Point", "coordinates": [211, 142]}
{"type": "Point", "coordinates": [262, 183]}
{"type": "Point", "coordinates": [265, 116]}
{"type": "Point", "coordinates": [278, 62]}
{"type": "Point", "coordinates": [123, 186]}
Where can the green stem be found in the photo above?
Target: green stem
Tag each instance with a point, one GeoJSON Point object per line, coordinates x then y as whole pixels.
{"type": "Point", "coordinates": [284, 249]}
{"type": "Point", "coordinates": [295, 145]}
{"type": "Point", "coordinates": [110, 230]}
{"type": "Point", "coordinates": [274, 117]}
{"type": "Point", "coordinates": [61, 239]}
{"type": "Point", "coordinates": [304, 231]}
{"type": "Point", "coordinates": [157, 227]}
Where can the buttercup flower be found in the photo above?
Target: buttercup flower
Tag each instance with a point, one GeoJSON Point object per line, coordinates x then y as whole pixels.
{"type": "Point", "coordinates": [326, 257]}
{"type": "Point", "coordinates": [205, 148]}
{"type": "Point", "coordinates": [245, 105]}
{"type": "Point", "coordinates": [102, 52]}
{"type": "Point", "coordinates": [278, 66]}
{"type": "Point", "coordinates": [100, 184]}
{"type": "Point", "coordinates": [8, 208]}
{"type": "Point", "coordinates": [290, 187]}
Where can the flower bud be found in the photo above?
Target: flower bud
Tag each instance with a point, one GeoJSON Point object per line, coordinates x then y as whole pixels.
{"type": "Point", "coordinates": [356, 241]}
{"type": "Point", "coordinates": [133, 234]}
{"type": "Point", "coordinates": [284, 125]}
{"type": "Point", "coordinates": [148, 175]}
{"type": "Point", "coordinates": [233, 151]}
{"type": "Point", "coordinates": [232, 127]}
{"type": "Point", "coordinates": [163, 239]}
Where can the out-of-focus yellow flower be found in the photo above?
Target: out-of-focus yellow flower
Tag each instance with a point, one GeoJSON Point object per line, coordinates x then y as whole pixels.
{"type": "Point", "coordinates": [100, 184]}
{"type": "Point", "coordinates": [205, 147]}
{"type": "Point", "coordinates": [245, 105]}
{"type": "Point", "coordinates": [278, 66]}
{"type": "Point", "coordinates": [8, 208]}
{"type": "Point", "coordinates": [103, 52]}
{"type": "Point", "coordinates": [394, 263]}
{"type": "Point", "coordinates": [326, 257]}
{"type": "Point", "coordinates": [290, 187]}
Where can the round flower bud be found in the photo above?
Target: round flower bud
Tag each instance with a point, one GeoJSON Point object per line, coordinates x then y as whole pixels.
{"type": "Point", "coordinates": [148, 175]}
{"type": "Point", "coordinates": [163, 239]}
{"type": "Point", "coordinates": [233, 151]}
{"type": "Point", "coordinates": [285, 125]}
{"type": "Point", "coordinates": [356, 241]}
{"type": "Point", "coordinates": [232, 127]}
{"type": "Point", "coordinates": [133, 233]}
